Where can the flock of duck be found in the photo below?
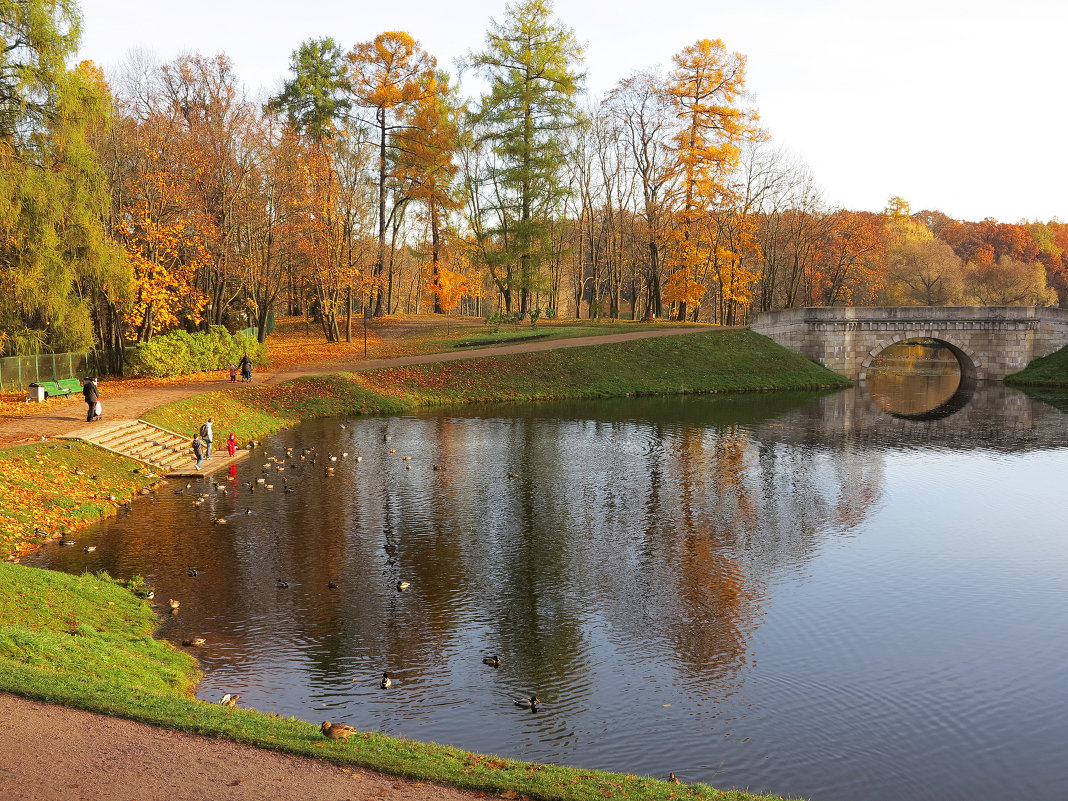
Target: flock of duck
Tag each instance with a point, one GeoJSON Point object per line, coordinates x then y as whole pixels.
{"type": "Point", "coordinates": [273, 464]}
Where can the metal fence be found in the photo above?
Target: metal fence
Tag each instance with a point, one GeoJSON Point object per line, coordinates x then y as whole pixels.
{"type": "Point", "coordinates": [18, 372]}
{"type": "Point", "coordinates": [251, 331]}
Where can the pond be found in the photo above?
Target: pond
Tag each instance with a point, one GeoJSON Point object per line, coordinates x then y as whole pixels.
{"type": "Point", "coordinates": [815, 596]}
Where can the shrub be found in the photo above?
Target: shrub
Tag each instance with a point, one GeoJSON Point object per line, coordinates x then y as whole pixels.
{"type": "Point", "coordinates": [179, 352]}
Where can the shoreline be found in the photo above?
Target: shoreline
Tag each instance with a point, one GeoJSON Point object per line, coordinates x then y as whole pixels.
{"type": "Point", "coordinates": [722, 362]}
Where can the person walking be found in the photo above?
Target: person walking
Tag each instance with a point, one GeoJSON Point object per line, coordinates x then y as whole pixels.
{"type": "Point", "coordinates": [231, 444]}
{"type": "Point", "coordinates": [91, 393]}
{"type": "Point", "coordinates": [233, 373]}
{"type": "Point", "coordinates": [207, 435]}
{"type": "Point", "coordinates": [198, 450]}
{"type": "Point", "coordinates": [246, 368]}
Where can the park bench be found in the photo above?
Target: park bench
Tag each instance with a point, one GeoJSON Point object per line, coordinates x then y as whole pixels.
{"type": "Point", "coordinates": [42, 390]}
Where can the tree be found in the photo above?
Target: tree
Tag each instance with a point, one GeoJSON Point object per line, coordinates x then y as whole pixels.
{"type": "Point", "coordinates": [530, 64]}
{"type": "Point", "coordinates": [37, 37]}
{"type": "Point", "coordinates": [1009, 282]}
{"type": "Point", "coordinates": [425, 165]}
{"type": "Point", "coordinates": [640, 106]}
{"type": "Point", "coordinates": [924, 273]}
{"type": "Point", "coordinates": [316, 97]}
{"type": "Point", "coordinates": [706, 89]}
{"type": "Point", "coordinates": [54, 254]}
{"type": "Point", "coordinates": [388, 75]}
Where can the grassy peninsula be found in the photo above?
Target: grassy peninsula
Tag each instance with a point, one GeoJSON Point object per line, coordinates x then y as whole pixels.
{"type": "Point", "coordinates": [728, 360]}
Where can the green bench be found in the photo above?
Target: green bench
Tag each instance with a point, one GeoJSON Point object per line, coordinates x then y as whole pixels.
{"type": "Point", "coordinates": [42, 390]}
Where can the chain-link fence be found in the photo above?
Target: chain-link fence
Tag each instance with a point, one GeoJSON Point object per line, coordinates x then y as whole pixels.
{"type": "Point", "coordinates": [18, 372]}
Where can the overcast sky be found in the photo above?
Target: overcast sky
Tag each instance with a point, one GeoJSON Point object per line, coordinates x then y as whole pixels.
{"type": "Point", "coordinates": [955, 105]}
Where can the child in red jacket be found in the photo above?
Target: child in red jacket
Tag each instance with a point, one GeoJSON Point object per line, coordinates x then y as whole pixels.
{"type": "Point", "coordinates": [231, 444]}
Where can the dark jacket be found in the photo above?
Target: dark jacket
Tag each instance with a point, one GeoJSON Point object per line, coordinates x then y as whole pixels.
{"type": "Point", "coordinates": [198, 447]}
{"type": "Point", "coordinates": [91, 392]}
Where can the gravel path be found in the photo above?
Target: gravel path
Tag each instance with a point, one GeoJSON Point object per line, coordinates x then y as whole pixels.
{"type": "Point", "coordinates": [51, 753]}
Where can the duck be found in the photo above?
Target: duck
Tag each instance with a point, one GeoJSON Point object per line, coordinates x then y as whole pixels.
{"type": "Point", "coordinates": [191, 572]}
{"type": "Point", "coordinates": [194, 642]}
{"type": "Point", "coordinates": [229, 700]}
{"type": "Point", "coordinates": [492, 661]}
{"type": "Point", "coordinates": [68, 543]}
{"type": "Point", "coordinates": [531, 703]}
{"type": "Point", "coordinates": [403, 585]}
{"type": "Point", "coordinates": [387, 682]}
{"type": "Point", "coordinates": [90, 548]}
{"type": "Point", "coordinates": [282, 584]}
{"type": "Point", "coordinates": [673, 779]}
{"type": "Point", "coordinates": [513, 475]}
{"type": "Point", "coordinates": [174, 604]}
{"type": "Point", "coordinates": [332, 585]}
{"type": "Point", "coordinates": [336, 731]}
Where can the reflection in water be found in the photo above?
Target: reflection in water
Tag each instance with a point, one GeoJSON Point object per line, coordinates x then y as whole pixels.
{"type": "Point", "coordinates": [786, 593]}
{"type": "Point", "coordinates": [917, 378]}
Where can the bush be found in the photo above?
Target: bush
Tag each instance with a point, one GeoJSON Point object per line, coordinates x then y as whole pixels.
{"type": "Point", "coordinates": [179, 352]}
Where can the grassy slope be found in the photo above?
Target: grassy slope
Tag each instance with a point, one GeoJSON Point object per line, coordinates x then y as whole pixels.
{"type": "Point", "coordinates": [1050, 371]}
{"type": "Point", "coordinates": [59, 486]}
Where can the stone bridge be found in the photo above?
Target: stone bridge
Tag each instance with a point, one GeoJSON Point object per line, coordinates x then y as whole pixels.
{"type": "Point", "coordinates": [990, 342]}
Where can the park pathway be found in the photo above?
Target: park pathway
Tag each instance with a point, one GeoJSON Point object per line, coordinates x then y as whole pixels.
{"type": "Point", "coordinates": [66, 418]}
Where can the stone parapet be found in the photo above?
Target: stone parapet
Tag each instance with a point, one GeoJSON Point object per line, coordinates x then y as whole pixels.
{"type": "Point", "coordinates": [990, 342]}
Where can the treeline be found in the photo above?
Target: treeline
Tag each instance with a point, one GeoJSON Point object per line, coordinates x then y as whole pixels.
{"type": "Point", "coordinates": [162, 197]}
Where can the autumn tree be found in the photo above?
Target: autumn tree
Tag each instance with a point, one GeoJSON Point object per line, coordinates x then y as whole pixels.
{"type": "Point", "coordinates": [706, 89]}
{"type": "Point", "coordinates": [1008, 282]}
{"type": "Point", "coordinates": [388, 75]}
{"type": "Point", "coordinates": [426, 168]}
{"type": "Point", "coordinates": [531, 65]}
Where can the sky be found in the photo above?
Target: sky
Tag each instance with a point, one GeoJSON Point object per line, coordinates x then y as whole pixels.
{"type": "Point", "coordinates": [955, 105]}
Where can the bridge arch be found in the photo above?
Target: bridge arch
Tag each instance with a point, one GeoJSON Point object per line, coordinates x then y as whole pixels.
{"type": "Point", "coordinates": [990, 342]}
{"type": "Point", "coordinates": [971, 368]}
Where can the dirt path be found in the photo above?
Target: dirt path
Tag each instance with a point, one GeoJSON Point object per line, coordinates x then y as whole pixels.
{"type": "Point", "coordinates": [51, 753]}
{"type": "Point", "coordinates": [67, 417]}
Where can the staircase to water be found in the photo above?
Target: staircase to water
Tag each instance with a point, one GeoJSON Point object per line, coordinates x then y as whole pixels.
{"type": "Point", "coordinates": [160, 449]}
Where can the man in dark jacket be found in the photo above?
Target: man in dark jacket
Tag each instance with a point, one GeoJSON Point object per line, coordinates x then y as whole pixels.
{"type": "Point", "coordinates": [92, 395]}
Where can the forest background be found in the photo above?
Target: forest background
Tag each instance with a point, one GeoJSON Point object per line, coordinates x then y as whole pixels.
{"type": "Point", "coordinates": [161, 197]}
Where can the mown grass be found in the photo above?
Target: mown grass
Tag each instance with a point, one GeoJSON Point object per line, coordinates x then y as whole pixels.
{"type": "Point", "coordinates": [85, 642]}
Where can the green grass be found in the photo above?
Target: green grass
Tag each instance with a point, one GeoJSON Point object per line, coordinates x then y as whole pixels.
{"type": "Point", "coordinates": [85, 642]}
{"type": "Point", "coordinates": [1049, 371]}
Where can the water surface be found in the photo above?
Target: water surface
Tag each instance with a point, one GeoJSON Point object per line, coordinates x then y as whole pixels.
{"type": "Point", "coordinates": [795, 594]}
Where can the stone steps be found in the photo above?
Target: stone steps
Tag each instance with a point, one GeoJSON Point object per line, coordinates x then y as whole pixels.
{"type": "Point", "coordinates": [154, 446]}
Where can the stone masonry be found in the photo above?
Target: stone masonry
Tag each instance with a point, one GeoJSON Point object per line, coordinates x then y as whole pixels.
{"type": "Point", "coordinates": [990, 342]}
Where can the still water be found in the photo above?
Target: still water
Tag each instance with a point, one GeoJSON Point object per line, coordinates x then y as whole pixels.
{"type": "Point", "coordinates": [815, 596]}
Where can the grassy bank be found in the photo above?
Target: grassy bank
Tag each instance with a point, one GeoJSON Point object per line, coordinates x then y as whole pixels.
{"type": "Point", "coordinates": [52, 488]}
{"type": "Point", "coordinates": [1047, 371]}
{"type": "Point", "coordinates": [720, 361]}
{"type": "Point", "coordinates": [86, 642]}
